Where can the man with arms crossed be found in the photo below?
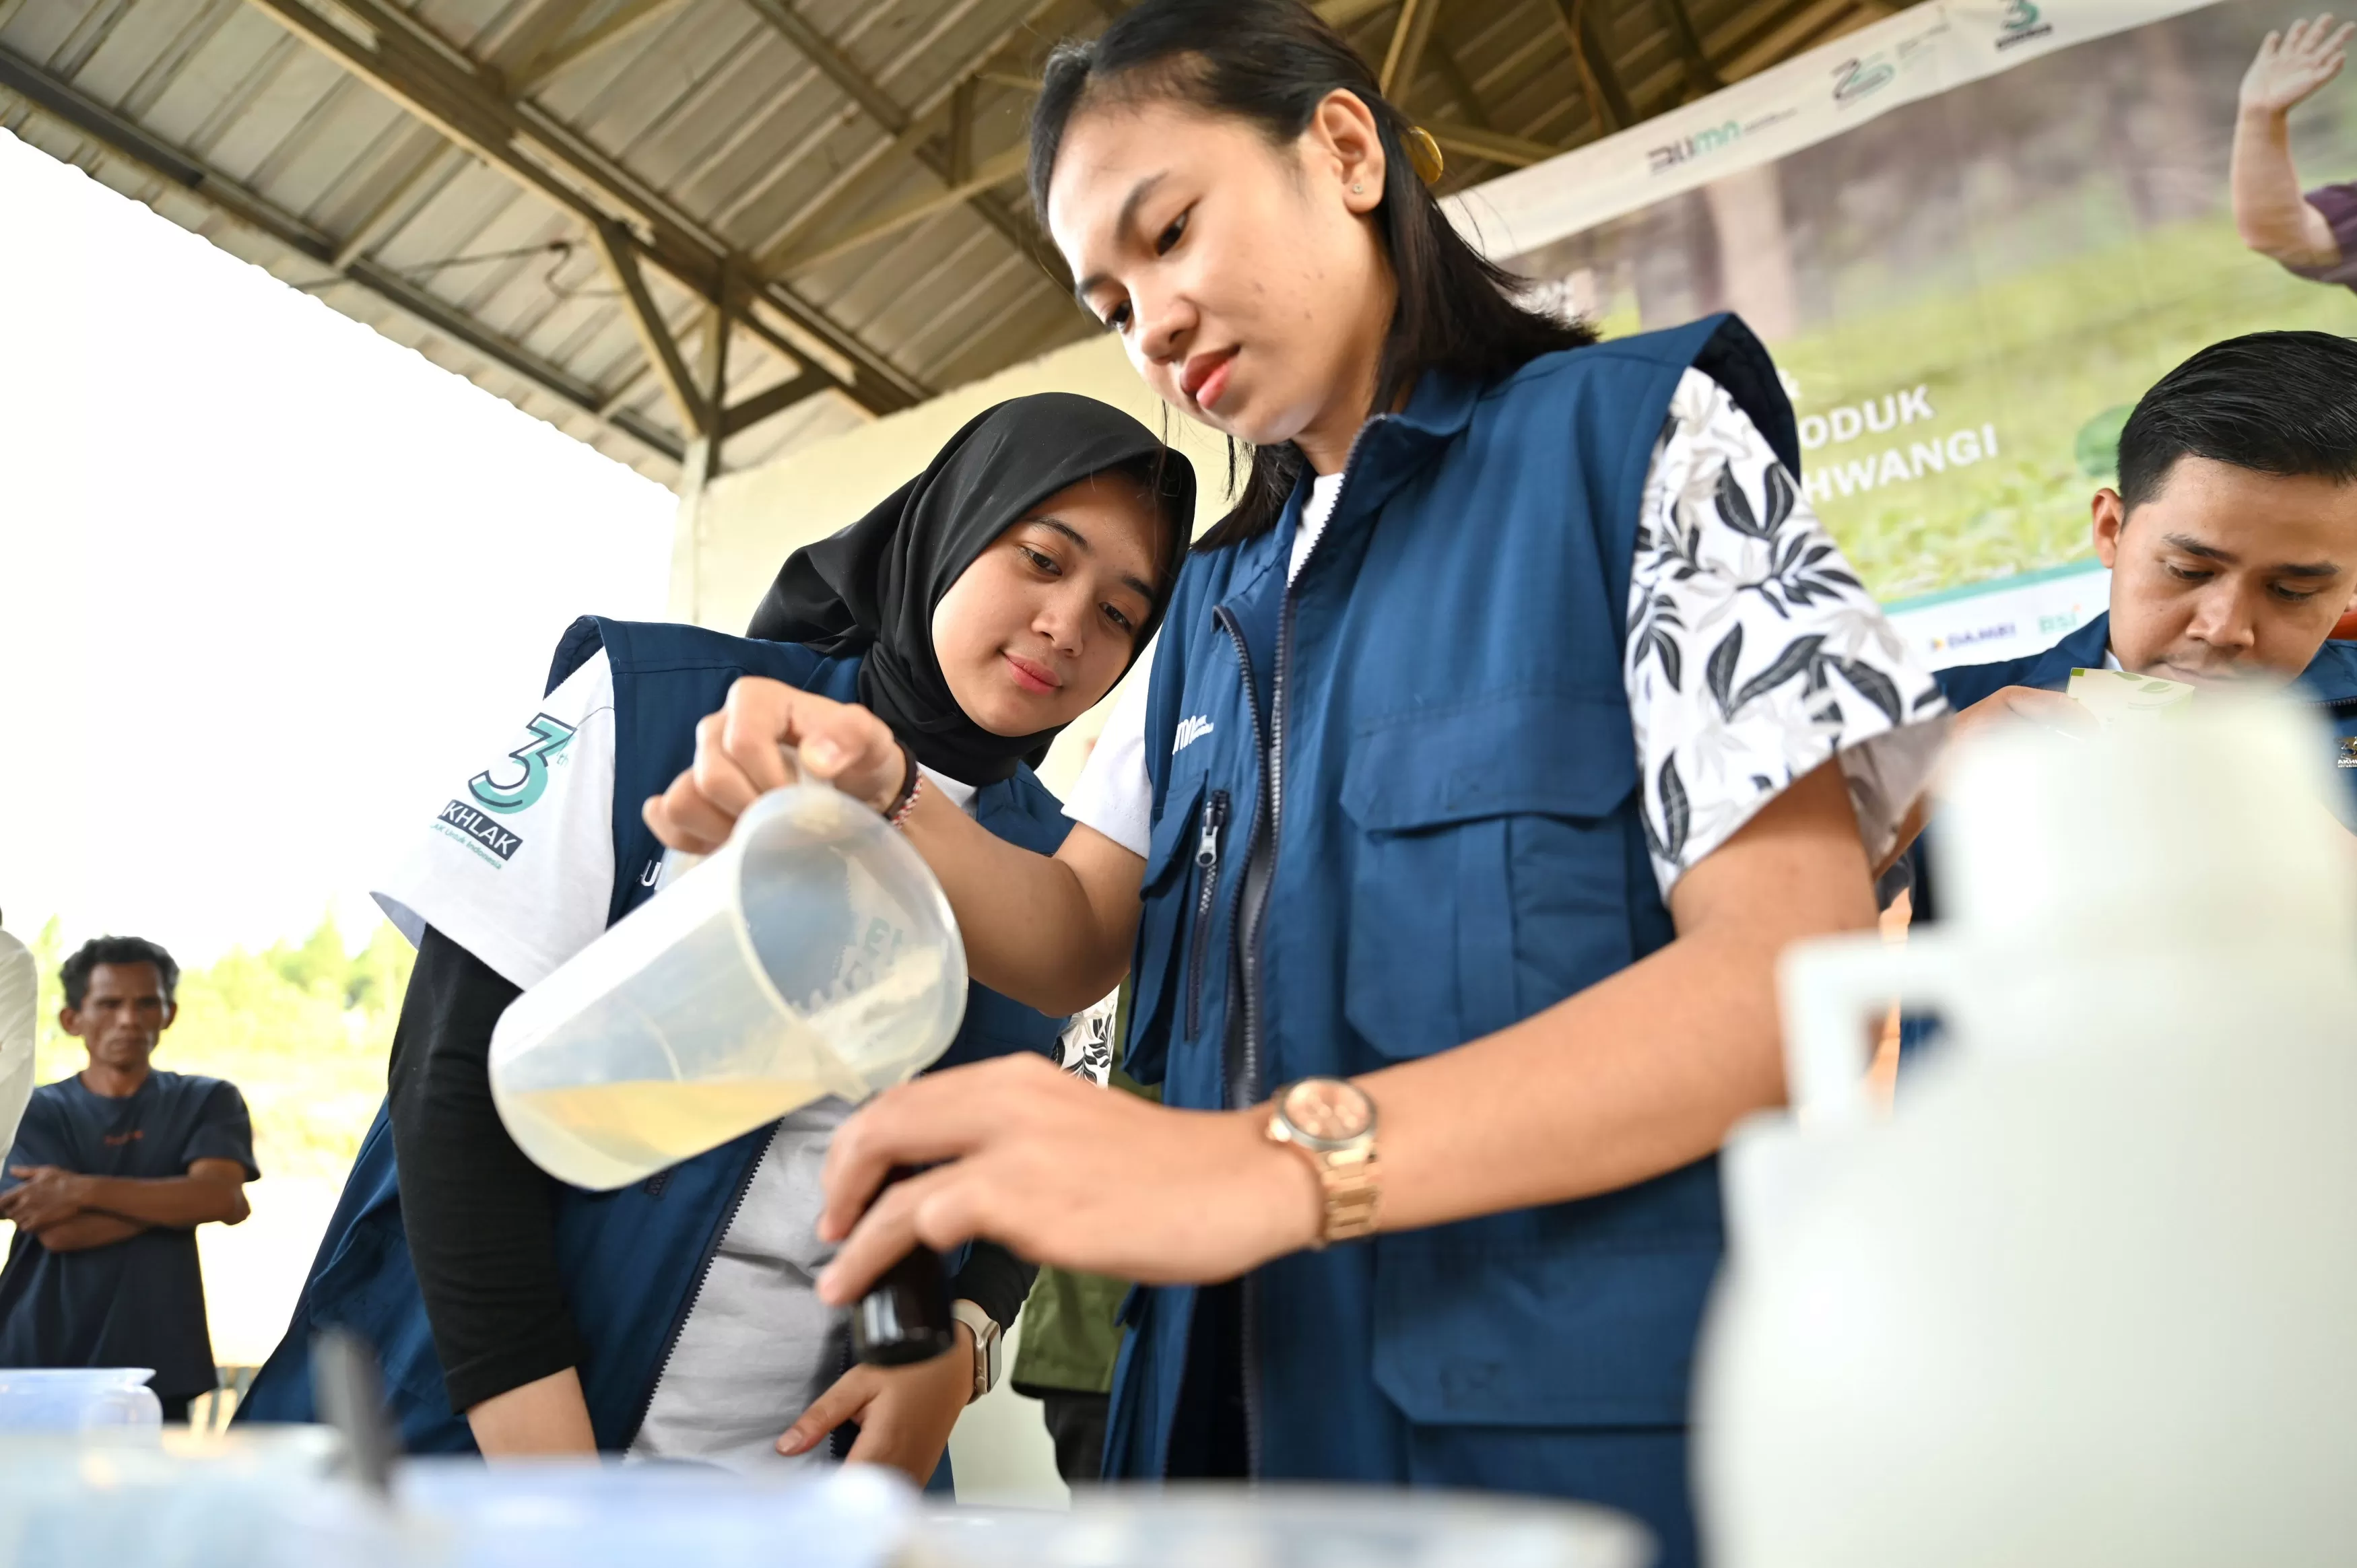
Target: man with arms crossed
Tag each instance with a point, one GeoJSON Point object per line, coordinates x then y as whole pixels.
{"type": "Point", "coordinates": [111, 1172]}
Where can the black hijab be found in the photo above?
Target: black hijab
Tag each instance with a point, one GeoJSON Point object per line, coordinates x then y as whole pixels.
{"type": "Point", "coordinates": [872, 588]}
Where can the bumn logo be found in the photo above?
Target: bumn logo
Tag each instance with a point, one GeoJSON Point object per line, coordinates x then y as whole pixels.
{"type": "Point", "coordinates": [1685, 149]}
{"type": "Point", "coordinates": [1191, 730]}
{"type": "Point", "coordinates": [481, 829]}
{"type": "Point", "coordinates": [1854, 79]}
{"type": "Point", "coordinates": [549, 739]}
{"type": "Point", "coordinates": [2021, 24]}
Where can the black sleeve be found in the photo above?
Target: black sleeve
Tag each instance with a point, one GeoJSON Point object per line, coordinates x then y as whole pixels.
{"type": "Point", "coordinates": [995, 1280]}
{"type": "Point", "coordinates": [478, 1214]}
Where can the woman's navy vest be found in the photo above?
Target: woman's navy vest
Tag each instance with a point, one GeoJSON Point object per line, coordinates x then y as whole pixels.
{"type": "Point", "coordinates": [1433, 723]}
{"type": "Point", "coordinates": [631, 1259]}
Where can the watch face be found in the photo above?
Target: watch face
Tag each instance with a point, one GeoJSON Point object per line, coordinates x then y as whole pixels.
{"type": "Point", "coordinates": [1328, 1109]}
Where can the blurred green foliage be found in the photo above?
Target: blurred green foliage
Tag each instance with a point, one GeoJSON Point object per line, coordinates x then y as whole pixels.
{"type": "Point", "coordinates": [302, 1028]}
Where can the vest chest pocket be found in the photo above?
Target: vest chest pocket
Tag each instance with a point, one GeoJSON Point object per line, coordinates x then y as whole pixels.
{"type": "Point", "coordinates": [1158, 962]}
{"type": "Point", "coordinates": [1489, 878]}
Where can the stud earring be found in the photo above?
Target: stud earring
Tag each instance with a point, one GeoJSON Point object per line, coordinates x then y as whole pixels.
{"type": "Point", "coordinates": [1358, 189]}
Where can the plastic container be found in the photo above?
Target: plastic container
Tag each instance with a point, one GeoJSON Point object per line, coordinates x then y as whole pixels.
{"type": "Point", "coordinates": [184, 1500]}
{"type": "Point", "coordinates": [812, 955]}
{"type": "Point", "coordinates": [624, 1515]}
{"type": "Point", "coordinates": [2086, 1295]}
{"type": "Point", "coordinates": [272, 1497]}
{"type": "Point", "coordinates": [1281, 1527]}
{"type": "Point", "coordinates": [79, 1399]}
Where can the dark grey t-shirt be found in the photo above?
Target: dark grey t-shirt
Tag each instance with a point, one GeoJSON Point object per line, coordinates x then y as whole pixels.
{"type": "Point", "coordinates": [140, 1301]}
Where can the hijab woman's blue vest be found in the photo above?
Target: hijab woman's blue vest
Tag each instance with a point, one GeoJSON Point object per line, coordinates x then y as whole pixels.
{"type": "Point", "coordinates": [1432, 727]}
{"type": "Point", "coordinates": [631, 1259]}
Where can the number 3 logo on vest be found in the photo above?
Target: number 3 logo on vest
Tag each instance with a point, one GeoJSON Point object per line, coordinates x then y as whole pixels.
{"type": "Point", "coordinates": [549, 738]}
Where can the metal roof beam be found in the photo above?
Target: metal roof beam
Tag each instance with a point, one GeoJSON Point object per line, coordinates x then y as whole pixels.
{"type": "Point", "coordinates": [961, 132]}
{"type": "Point", "coordinates": [898, 124]}
{"type": "Point", "coordinates": [1406, 51]}
{"type": "Point", "coordinates": [426, 75]}
{"type": "Point", "coordinates": [655, 337]}
{"type": "Point", "coordinates": [1798, 29]}
{"type": "Point", "coordinates": [1606, 96]}
{"type": "Point", "coordinates": [763, 405]}
{"type": "Point", "coordinates": [833, 63]}
{"type": "Point", "coordinates": [995, 170]}
{"type": "Point", "coordinates": [1700, 75]}
{"type": "Point", "coordinates": [428, 175]}
{"type": "Point", "coordinates": [163, 162]}
{"type": "Point", "coordinates": [1460, 86]}
{"type": "Point", "coordinates": [533, 74]}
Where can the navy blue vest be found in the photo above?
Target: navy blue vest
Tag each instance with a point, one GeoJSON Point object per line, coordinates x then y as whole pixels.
{"type": "Point", "coordinates": [631, 1259]}
{"type": "Point", "coordinates": [1433, 730]}
{"type": "Point", "coordinates": [2328, 685]}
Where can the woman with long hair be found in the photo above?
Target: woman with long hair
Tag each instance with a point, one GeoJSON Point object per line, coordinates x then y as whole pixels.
{"type": "Point", "coordinates": [977, 610]}
{"type": "Point", "coordinates": [1516, 718]}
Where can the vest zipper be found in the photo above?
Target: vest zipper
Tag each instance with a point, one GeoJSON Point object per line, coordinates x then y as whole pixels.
{"type": "Point", "coordinates": [1206, 862]}
{"type": "Point", "coordinates": [1255, 905]}
{"type": "Point", "coordinates": [1231, 1081]}
{"type": "Point", "coordinates": [703, 1272]}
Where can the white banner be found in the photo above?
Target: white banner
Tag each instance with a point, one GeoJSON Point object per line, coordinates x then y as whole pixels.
{"type": "Point", "coordinates": [1922, 51]}
{"type": "Point", "coordinates": [1973, 235]}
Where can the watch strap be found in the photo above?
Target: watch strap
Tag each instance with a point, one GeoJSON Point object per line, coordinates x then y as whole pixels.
{"type": "Point", "coordinates": [1349, 1176]}
{"type": "Point", "coordinates": [988, 1337]}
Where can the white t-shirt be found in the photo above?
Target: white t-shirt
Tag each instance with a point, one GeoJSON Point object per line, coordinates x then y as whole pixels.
{"type": "Point", "coordinates": [1114, 794]}
{"type": "Point", "coordinates": [1698, 576]}
{"type": "Point", "coordinates": [518, 869]}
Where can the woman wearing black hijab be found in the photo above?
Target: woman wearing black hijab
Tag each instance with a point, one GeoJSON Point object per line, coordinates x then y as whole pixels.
{"type": "Point", "coordinates": [980, 608]}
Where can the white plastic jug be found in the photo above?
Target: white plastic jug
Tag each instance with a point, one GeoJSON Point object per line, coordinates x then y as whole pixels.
{"type": "Point", "coordinates": [448, 1513]}
{"type": "Point", "coordinates": [2089, 1294]}
{"type": "Point", "coordinates": [182, 1500]}
{"type": "Point", "coordinates": [115, 1399]}
{"type": "Point", "coordinates": [814, 955]}
{"type": "Point", "coordinates": [1225, 1526]}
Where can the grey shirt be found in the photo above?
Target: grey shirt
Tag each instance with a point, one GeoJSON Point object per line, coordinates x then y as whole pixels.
{"type": "Point", "coordinates": [758, 1346]}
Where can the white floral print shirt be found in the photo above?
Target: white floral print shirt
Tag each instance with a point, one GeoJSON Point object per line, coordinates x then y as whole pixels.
{"type": "Point", "coordinates": [1753, 652]}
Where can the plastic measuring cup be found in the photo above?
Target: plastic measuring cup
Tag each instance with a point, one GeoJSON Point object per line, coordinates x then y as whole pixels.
{"type": "Point", "coordinates": [78, 1398]}
{"type": "Point", "coordinates": [812, 955]}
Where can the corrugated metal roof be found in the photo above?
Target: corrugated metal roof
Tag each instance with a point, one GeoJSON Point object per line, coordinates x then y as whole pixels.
{"type": "Point", "coordinates": [491, 181]}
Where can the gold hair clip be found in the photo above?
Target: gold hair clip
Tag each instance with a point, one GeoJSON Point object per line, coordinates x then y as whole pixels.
{"type": "Point", "coordinates": [1423, 152]}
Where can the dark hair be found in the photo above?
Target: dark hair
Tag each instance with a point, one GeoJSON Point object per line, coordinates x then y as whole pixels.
{"type": "Point", "coordinates": [2276, 403]}
{"type": "Point", "coordinates": [1272, 62]}
{"type": "Point", "coordinates": [74, 974]}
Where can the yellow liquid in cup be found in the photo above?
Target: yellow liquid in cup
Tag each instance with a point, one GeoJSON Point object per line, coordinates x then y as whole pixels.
{"type": "Point", "coordinates": [605, 1135]}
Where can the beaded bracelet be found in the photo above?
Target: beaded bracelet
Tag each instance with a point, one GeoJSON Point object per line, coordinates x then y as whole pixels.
{"type": "Point", "coordinates": [912, 784]}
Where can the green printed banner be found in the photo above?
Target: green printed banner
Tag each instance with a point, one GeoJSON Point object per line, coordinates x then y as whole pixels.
{"type": "Point", "coordinates": [1973, 234]}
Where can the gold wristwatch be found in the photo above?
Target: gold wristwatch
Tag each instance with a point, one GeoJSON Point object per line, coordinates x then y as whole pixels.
{"type": "Point", "coordinates": [985, 1344]}
{"type": "Point", "coordinates": [1332, 1123]}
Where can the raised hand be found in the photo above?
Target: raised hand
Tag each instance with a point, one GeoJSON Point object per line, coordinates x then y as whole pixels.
{"type": "Point", "coordinates": [2291, 65]}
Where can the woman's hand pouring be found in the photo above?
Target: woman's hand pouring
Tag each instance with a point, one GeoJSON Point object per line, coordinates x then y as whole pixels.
{"type": "Point", "coordinates": [754, 744]}
{"type": "Point", "coordinates": [1064, 1173]}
